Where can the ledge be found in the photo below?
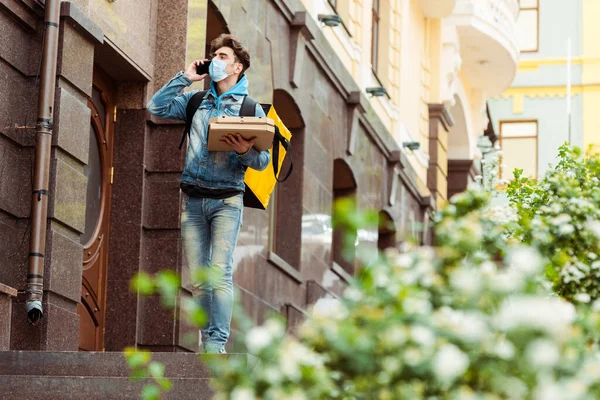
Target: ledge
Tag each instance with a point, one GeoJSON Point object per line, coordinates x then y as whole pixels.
{"type": "Point", "coordinates": [70, 11]}
{"type": "Point", "coordinates": [7, 290]}
{"type": "Point", "coordinates": [280, 263]}
{"type": "Point", "coordinates": [341, 272]}
{"type": "Point", "coordinates": [442, 113]}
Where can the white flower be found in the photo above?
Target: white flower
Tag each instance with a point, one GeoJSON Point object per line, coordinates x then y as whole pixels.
{"type": "Point", "coordinates": [542, 353]}
{"type": "Point", "coordinates": [590, 371]}
{"type": "Point", "coordinates": [594, 227]}
{"type": "Point", "coordinates": [391, 364]}
{"type": "Point", "coordinates": [353, 294]}
{"type": "Point", "coordinates": [293, 355]}
{"type": "Point", "coordinates": [258, 338]}
{"type": "Point", "coordinates": [566, 229]}
{"type": "Point", "coordinates": [506, 281]}
{"type": "Point", "coordinates": [570, 273]}
{"type": "Point", "coordinates": [561, 219]}
{"type": "Point", "coordinates": [275, 327]}
{"type": "Point", "coordinates": [242, 393]}
{"type": "Point", "coordinates": [328, 308]}
{"type": "Point", "coordinates": [466, 280]}
{"type": "Point", "coordinates": [504, 349]}
{"type": "Point", "coordinates": [394, 336]}
{"type": "Point", "coordinates": [525, 259]}
{"type": "Point", "coordinates": [422, 335]}
{"type": "Point", "coordinates": [413, 356]}
{"type": "Point", "coordinates": [488, 268]}
{"type": "Point", "coordinates": [470, 326]}
{"type": "Point", "coordinates": [449, 363]}
{"type": "Point", "coordinates": [582, 297]}
{"type": "Point", "coordinates": [417, 305]}
{"type": "Point", "coordinates": [551, 315]}
{"type": "Point", "coordinates": [272, 374]}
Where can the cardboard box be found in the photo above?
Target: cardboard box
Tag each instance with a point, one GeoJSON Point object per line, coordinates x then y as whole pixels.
{"type": "Point", "coordinates": [262, 128]}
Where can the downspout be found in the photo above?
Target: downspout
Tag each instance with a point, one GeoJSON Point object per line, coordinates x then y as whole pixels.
{"type": "Point", "coordinates": [39, 199]}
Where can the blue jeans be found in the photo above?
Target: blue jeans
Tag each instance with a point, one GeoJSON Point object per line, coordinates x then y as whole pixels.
{"type": "Point", "coordinates": [209, 231]}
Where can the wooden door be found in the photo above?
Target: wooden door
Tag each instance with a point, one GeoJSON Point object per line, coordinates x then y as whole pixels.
{"type": "Point", "coordinates": [99, 171]}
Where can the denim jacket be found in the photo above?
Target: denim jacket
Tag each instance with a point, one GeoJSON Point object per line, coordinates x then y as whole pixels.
{"type": "Point", "coordinates": [203, 168]}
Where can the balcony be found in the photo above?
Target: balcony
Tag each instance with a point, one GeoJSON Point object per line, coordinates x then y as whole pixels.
{"type": "Point", "coordinates": [437, 8]}
{"type": "Point", "coordinates": [488, 42]}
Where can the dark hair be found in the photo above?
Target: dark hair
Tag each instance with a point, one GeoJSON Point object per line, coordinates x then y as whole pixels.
{"type": "Point", "coordinates": [241, 53]}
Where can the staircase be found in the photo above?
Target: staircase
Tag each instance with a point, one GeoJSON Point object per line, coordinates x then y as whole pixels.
{"type": "Point", "coordinates": [94, 375]}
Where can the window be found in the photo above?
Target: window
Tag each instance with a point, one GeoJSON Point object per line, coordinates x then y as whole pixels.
{"type": "Point", "coordinates": [528, 26]}
{"type": "Point", "coordinates": [344, 240]}
{"type": "Point", "coordinates": [387, 232]}
{"type": "Point", "coordinates": [286, 201]}
{"type": "Point", "coordinates": [519, 143]}
{"type": "Point", "coordinates": [375, 36]}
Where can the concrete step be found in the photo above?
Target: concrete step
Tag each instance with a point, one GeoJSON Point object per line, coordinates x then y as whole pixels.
{"type": "Point", "coordinates": [103, 364]}
{"type": "Point", "coordinates": [94, 388]}
{"type": "Point", "coordinates": [99, 375]}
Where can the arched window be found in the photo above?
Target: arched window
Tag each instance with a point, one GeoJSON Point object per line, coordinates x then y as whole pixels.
{"type": "Point", "coordinates": [344, 240]}
{"type": "Point", "coordinates": [387, 231]}
{"type": "Point", "coordinates": [286, 201]}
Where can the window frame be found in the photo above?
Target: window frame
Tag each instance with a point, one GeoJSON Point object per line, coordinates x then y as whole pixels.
{"type": "Point", "coordinates": [375, 18]}
{"type": "Point", "coordinates": [536, 137]}
{"type": "Point", "coordinates": [333, 5]}
{"type": "Point", "coordinates": [537, 34]}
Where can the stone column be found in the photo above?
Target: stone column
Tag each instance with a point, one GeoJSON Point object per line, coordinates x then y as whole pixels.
{"type": "Point", "coordinates": [440, 122]}
{"type": "Point", "coordinates": [460, 174]}
{"type": "Point", "coordinates": [6, 295]}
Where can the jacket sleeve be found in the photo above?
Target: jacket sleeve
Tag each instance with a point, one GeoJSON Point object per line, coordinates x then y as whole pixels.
{"type": "Point", "coordinates": [168, 103]}
{"type": "Point", "coordinates": [258, 160]}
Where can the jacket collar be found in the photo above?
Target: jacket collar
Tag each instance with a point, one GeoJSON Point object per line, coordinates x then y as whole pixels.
{"type": "Point", "coordinates": [237, 92]}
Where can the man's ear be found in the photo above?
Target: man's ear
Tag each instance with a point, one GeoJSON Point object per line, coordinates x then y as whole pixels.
{"type": "Point", "coordinates": [238, 68]}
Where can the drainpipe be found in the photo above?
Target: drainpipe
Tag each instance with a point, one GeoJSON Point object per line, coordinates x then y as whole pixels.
{"type": "Point", "coordinates": [39, 199]}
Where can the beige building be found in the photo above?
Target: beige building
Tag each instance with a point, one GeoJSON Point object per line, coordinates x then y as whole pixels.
{"type": "Point", "coordinates": [458, 53]}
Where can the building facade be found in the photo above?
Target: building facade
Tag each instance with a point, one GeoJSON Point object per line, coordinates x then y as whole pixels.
{"type": "Point", "coordinates": [555, 94]}
{"type": "Point", "coordinates": [114, 198]}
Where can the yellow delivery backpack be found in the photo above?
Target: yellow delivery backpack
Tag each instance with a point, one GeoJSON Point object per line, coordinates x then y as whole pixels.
{"type": "Point", "coordinates": [259, 184]}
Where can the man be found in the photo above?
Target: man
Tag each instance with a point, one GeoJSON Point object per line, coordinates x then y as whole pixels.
{"type": "Point", "coordinates": [213, 182]}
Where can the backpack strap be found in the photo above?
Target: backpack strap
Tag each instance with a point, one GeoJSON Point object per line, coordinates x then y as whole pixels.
{"type": "Point", "coordinates": [248, 109]}
{"type": "Point", "coordinates": [278, 139]}
{"type": "Point", "coordinates": [190, 109]}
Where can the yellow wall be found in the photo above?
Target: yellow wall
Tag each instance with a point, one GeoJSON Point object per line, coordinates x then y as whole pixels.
{"type": "Point", "coordinates": [591, 74]}
{"type": "Point", "coordinates": [410, 48]}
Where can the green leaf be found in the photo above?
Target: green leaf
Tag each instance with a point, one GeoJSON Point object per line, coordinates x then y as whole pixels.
{"type": "Point", "coordinates": [137, 358]}
{"type": "Point", "coordinates": [156, 369]}
{"type": "Point", "coordinates": [165, 384]}
{"type": "Point", "coordinates": [150, 392]}
{"type": "Point", "coordinates": [168, 285]}
{"type": "Point", "coordinates": [143, 284]}
{"type": "Point", "coordinates": [138, 374]}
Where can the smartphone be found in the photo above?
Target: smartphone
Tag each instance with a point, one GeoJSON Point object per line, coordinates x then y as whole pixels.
{"type": "Point", "coordinates": [202, 69]}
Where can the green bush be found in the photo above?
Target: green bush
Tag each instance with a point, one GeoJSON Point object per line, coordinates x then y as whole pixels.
{"type": "Point", "coordinates": [560, 216]}
{"type": "Point", "coordinates": [465, 320]}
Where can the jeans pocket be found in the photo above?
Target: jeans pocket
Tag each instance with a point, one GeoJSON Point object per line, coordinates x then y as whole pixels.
{"type": "Point", "coordinates": [234, 201]}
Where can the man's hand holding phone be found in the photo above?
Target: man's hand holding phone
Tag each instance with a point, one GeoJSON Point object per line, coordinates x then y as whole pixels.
{"type": "Point", "coordinates": [198, 70]}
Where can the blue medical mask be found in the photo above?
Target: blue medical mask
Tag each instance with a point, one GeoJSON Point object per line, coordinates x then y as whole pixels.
{"type": "Point", "coordinates": [216, 70]}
